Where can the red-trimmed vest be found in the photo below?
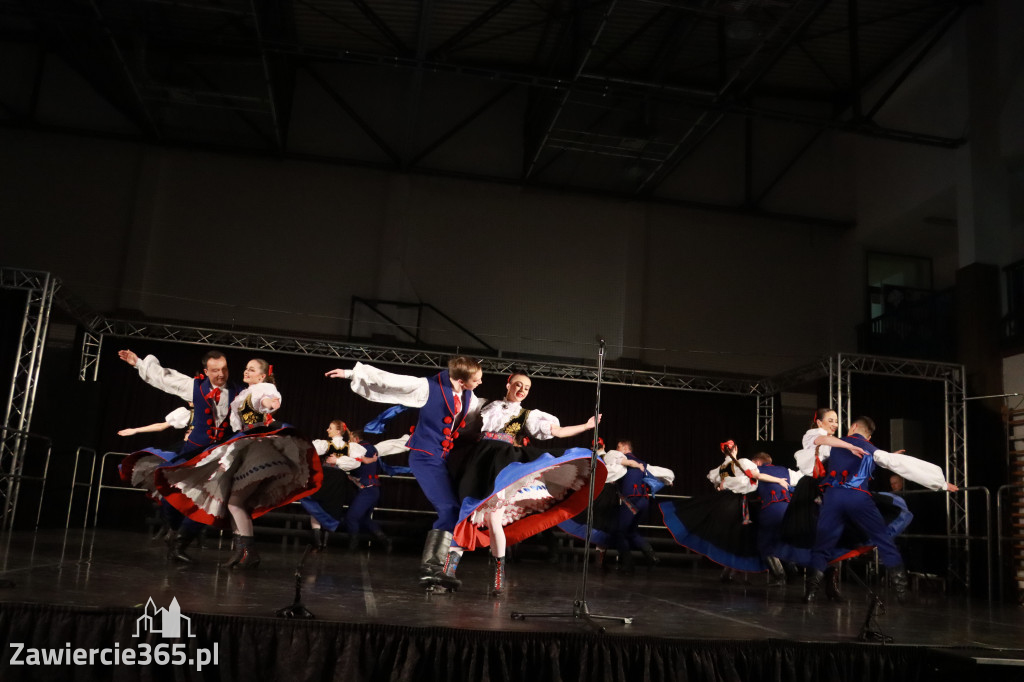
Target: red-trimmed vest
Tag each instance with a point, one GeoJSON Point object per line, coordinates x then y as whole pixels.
{"type": "Point", "coordinates": [438, 425]}
{"type": "Point", "coordinates": [205, 430]}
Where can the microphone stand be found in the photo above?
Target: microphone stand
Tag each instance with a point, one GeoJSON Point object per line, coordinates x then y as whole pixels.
{"type": "Point", "coordinates": [580, 608]}
{"type": "Point", "coordinates": [869, 631]}
{"type": "Point", "coordinates": [297, 609]}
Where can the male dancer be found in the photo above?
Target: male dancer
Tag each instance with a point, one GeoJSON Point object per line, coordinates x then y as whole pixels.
{"type": "Point", "coordinates": [774, 502]}
{"type": "Point", "coordinates": [211, 395]}
{"type": "Point", "coordinates": [635, 495]}
{"type": "Point", "coordinates": [846, 499]}
{"type": "Point", "coordinates": [444, 401]}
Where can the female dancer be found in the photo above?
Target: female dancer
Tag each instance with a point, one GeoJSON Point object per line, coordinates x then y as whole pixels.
{"type": "Point", "coordinates": [362, 471]}
{"type": "Point", "coordinates": [720, 527]}
{"type": "Point", "coordinates": [266, 464]}
{"type": "Point", "coordinates": [800, 523]}
{"type": "Point", "coordinates": [137, 469]}
{"type": "Point", "coordinates": [326, 507]}
{"type": "Point", "coordinates": [512, 489]}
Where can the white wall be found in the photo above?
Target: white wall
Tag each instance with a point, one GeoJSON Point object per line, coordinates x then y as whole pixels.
{"type": "Point", "coordinates": [227, 240]}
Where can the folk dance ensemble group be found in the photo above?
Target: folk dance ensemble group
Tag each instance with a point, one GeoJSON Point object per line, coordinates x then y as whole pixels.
{"type": "Point", "coordinates": [237, 462]}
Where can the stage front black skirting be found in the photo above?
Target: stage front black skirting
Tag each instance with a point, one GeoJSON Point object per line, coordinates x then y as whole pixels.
{"type": "Point", "coordinates": [271, 649]}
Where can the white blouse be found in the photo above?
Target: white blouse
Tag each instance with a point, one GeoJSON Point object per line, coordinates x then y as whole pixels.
{"type": "Point", "coordinates": [736, 484]}
{"type": "Point", "coordinates": [497, 413]}
{"type": "Point", "coordinates": [179, 418]}
{"type": "Point", "coordinates": [258, 393]}
{"type": "Point", "coordinates": [805, 457]}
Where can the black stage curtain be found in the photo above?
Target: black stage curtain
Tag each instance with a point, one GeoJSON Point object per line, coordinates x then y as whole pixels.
{"type": "Point", "coordinates": [676, 429]}
{"type": "Point", "coordinates": [267, 649]}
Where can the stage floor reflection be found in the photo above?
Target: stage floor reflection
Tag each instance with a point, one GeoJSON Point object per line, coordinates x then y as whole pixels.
{"type": "Point", "coordinates": [676, 599]}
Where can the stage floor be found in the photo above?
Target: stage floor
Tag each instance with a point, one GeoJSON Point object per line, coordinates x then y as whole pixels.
{"type": "Point", "coordinates": [675, 600]}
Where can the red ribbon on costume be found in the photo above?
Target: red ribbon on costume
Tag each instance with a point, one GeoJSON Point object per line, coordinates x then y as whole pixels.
{"type": "Point", "coordinates": [727, 446]}
{"type": "Point", "coordinates": [214, 395]}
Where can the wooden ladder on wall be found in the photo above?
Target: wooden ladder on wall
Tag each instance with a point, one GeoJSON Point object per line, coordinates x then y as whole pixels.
{"type": "Point", "coordinates": [1015, 496]}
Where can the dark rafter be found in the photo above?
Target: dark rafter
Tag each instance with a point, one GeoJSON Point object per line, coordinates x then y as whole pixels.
{"type": "Point", "coordinates": [381, 26]}
{"type": "Point", "coordinates": [854, 47]}
{"type": "Point", "coordinates": [151, 126]}
{"type": "Point", "coordinates": [938, 34]}
{"type": "Point", "coordinates": [448, 46]}
{"type": "Point", "coordinates": [267, 78]}
{"type": "Point", "coordinates": [461, 125]}
{"type": "Point", "coordinates": [581, 64]}
{"type": "Point", "coordinates": [360, 121]}
{"type": "Point", "coordinates": [708, 121]}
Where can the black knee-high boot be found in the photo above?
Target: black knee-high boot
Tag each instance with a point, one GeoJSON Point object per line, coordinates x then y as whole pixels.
{"type": "Point", "coordinates": [814, 579]}
{"type": "Point", "coordinates": [900, 583]}
{"type": "Point", "coordinates": [383, 541]}
{"type": "Point", "coordinates": [178, 541]}
{"type": "Point", "coordinates": [832, 583]}
{"type": "Point", "coordinates": [777, 574]}
{"type": "Point", "coordinates": [435, 551]}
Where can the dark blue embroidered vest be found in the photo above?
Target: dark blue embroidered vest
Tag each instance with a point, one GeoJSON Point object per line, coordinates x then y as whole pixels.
{"type": "Point", "coordinates": [366, 474]}
{"type": "Point", "coordinates": [438, 424]}
{"type": "Point", "coordinates": [205, 430]}
{"type": "Point", "coordinates": [633, 484]}
{"type": "Point", "coordinates": [770, 493]}
{"type": "Point", "coordinates": [846, 470]}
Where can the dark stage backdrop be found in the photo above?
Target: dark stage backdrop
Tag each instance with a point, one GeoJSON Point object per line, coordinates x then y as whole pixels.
{"type": "Point", "coordinates": [679, 430]}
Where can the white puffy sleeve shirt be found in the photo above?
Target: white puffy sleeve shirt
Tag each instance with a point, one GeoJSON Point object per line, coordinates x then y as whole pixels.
{"type": "Point", "coordinates": [497, 413]}
{"type": "Point", "coordinates": [257, 392]}
{"type": "Point", "coordinates": [913, 469]}
{"type": "Point", "coordinates": [179, 418]}
{"type": "Point", "coordinates": [805, 457]}
{"type": "Point", "coordinates": [379, 386]}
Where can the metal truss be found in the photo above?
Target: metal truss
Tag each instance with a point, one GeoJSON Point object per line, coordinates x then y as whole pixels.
{"type": "Point", "coordinates": [42, 289]}
{"type": "Point", "coordinates": [431, 359]}
{"type": "Point", "coordinates": [953, 378]}
{"type": "Point", "coordinates": [39, 288]}
{"type": "Point", "coordinates": [765, 418]}
{"type": "Point", "coordinates": [89, 367]}
{"type": "Point", "coordinates": [799, 376]}
{"type": "Point", "coordinates": [957, 512]}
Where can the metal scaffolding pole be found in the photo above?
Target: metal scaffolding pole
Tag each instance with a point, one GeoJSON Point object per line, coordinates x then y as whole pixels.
{"type": "Point", "coordinates": [765, 418]}
{"type": "Point", "coordinates": [958, 521]}
{"type": "Point", "coordinates": [39, 288]}
{"type": "Point", "coordinates": [952, 376]}
{"type": "Point", "coordinates": [92, 346]}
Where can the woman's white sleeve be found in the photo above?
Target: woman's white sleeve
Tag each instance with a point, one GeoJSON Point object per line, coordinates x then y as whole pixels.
{"type": "Point", "coordinates": [179, 418]}
{"type": "Point", "coordinates": [257, 392]}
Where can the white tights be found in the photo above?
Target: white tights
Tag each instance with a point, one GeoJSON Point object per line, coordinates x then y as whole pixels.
{"type": "Point", "coordinates": [240, 518]}
{"type": "Point", "coordinates": [497, 533]}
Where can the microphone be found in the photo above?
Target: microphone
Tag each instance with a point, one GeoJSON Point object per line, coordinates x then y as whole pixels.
{"type": "Point", "coordinates": [600, 340]}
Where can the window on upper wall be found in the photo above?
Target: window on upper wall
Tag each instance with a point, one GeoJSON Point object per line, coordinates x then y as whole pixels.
{"type": "Point", "coordinates": [896, 281]}
{"type": "Point", "coordinates": [1013, 323]}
